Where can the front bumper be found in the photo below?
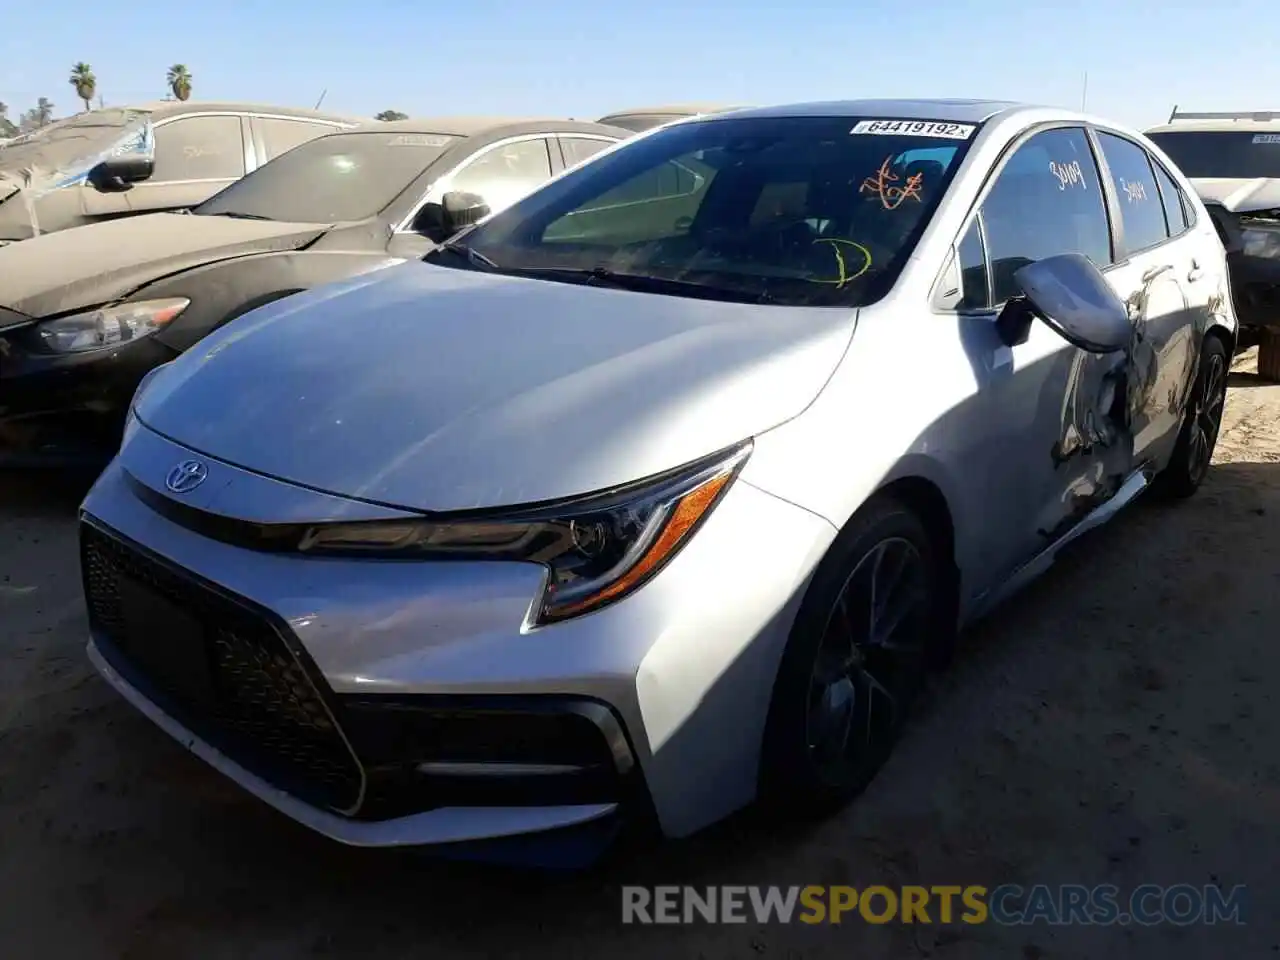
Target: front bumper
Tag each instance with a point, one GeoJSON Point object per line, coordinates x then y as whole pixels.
{"type": "Point", "coordinates": [1255, 289]}
{"type": "Point", "coordinates": [444, 825]}
{"type": "Point", "coordinates": [409, 703]}
{"type": "Point", "coordinates": [57, 409]}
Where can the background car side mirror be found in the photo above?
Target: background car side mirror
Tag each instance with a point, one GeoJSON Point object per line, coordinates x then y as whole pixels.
{"type": "Point", "coordinates": [118, 173]}
{"type": "Point", "coordinates": [462, 209]}
{"type": "Point", "coordinates": [1072, 296]}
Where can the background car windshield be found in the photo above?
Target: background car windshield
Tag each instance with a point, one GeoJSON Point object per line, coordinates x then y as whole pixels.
{"type": "Point", "coordinates": [340, 177]}
{"type": "Point", "coordinates": [794, 210]}
{"type": "Point", "coordinates": [1235, 156]}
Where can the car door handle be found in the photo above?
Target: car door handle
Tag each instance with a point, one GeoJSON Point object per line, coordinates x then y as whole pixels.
{"type": "Point", "coordinates": [1195, 273]}
{"type": "Point", "coordinates": [1155, 272]}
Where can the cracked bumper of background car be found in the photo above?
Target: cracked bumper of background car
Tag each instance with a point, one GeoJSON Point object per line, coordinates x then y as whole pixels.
{"type": "Point", "coordinates": [686, 664]}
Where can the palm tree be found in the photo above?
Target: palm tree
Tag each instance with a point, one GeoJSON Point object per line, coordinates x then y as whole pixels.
{"type": "Point", "coordinates": [179, 81]}
{"type": "Point", "coordinates": [391, 115]}
{"type": "Point", "coordinates": [43, 111]}
{"type": "Point", "coordinates": [7, 129]}
{"type": "Point", "coordinates": [85, 83]}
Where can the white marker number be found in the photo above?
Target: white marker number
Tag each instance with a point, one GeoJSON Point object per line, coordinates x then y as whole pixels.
{"type": "Point", "coordinates": [1068, 174]}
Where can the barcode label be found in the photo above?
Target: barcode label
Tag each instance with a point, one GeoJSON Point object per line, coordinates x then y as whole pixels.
{"type": "Point", "coordinates": [915, 128]}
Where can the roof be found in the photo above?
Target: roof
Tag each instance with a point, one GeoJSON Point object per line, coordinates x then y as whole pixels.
{"type": "Point", "coordinates": [1241, 121]}
{"type": "Point", "coordinates": [450, 126]}
{"type": "Point", "coordinates": [477, 126]}
{"type": "Point", "coordinates": [670, 109]}
{"type": "Point", "coordinates": [953, 111]}
{"type": "Point", "coordinates": [160, 109]}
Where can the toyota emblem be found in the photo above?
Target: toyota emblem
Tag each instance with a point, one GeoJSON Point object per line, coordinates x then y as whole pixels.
{"type": "Point", "coordinates": [186, 476]}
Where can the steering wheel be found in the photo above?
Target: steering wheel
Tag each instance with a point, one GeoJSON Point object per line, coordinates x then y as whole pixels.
{"type": "Point", "coordinates": [773, 240]}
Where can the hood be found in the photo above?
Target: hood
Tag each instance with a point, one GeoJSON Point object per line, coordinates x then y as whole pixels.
{"type": "Point", "coordinates": [439, 389]}
{"type": "Point", "coordinates": [94, 264]}
{"type": "Point", "coordinates": [1240, 196]}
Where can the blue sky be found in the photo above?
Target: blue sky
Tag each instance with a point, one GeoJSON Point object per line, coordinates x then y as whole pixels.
{"type": "Point", "coordinates": [582, 59]}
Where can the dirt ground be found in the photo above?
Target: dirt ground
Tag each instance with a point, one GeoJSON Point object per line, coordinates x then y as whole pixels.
{"type": "Point", "coordinates": [1117, 723]}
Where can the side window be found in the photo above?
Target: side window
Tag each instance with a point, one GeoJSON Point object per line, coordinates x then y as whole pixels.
{"type": "Point", "coordinates": [505, 173]}
{"type": "Point", "coordinates": [1187, 216]}
{"type": "Point", "coordinates": [973, 270]}
{"type": "Point", "coordinates": [281, 136]}
{"type": "Point", "coordinates": [1174, 209]}
{"type": "Point", "coordinates": [577, 149]}
{"type": "Point", "coordinates": [1046, 201]}
{"type": "Point", "coordinates": [199, 148]}
{"type": "Point", "coordinates": [1140, 208]}
{"type": "Point", "coordinates": [781, 201]}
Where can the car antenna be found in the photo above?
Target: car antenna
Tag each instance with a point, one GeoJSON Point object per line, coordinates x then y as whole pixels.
{"type": "Point", "coordinates": [321, 100]}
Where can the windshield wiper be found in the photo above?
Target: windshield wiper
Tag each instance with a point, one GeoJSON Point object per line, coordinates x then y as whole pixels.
{"type": "Point", "coordinates": [237, 215]}
{"type": "Point", "coordinates": [644, 283]}
{"type": "Point", "coordinates": [472, 255]}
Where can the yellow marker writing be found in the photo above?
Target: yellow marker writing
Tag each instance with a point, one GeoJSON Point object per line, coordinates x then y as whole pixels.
{"type": "Point", "coordinates": [845, 276]}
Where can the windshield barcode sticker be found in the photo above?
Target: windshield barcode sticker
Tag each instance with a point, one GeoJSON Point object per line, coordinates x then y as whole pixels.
{"type": "Point", "coordinates": [1266, 138]}
{"type": "Point", "coordinates": [915, 128]}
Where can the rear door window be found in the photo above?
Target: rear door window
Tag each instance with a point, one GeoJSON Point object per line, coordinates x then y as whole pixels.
{"type": "Point", "coordinates": [1141, 210]}
{"type": "Point", "coordinates": [1175, 211]}
{"type": "Point", "coordinates": [199, 148]}
{"type": "Point", "coordinates": [280, 136]}
{"type": "Point", "coordinates": [578, 149]}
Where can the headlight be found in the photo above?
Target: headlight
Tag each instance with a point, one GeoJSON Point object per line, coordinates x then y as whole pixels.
{"type": "Point", "coordinates": [109, 326]}
{"type": "Point", "coordinates": [597, 550]}
{"type": "Point", "coordinates": [1261, 241]}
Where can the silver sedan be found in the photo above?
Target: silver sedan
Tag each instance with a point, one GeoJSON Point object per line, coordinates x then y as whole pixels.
{"type": "Point", "coordinates": [658, 492]}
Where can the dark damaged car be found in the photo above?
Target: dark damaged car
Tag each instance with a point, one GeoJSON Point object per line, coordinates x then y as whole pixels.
{"type": "Point", "coordinates": [87, 312]}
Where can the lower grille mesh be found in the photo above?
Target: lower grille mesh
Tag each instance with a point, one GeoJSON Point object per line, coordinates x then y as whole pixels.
{"type": "Point", "coordinates": [252, 698]}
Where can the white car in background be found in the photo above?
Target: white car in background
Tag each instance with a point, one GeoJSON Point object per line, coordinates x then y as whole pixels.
{"type": "Point", "coordinates": [1233, 160]}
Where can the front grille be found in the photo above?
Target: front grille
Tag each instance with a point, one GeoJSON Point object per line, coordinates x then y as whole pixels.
{"type": "Point", "coordinates": [221, 668]}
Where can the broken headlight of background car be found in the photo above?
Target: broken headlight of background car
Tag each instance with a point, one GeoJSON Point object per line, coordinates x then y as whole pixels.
{"type": "Point", "coordinates": [109, 326]}
{"type": "Point", "coordinates": [597, 549]}
{"type": "Point", "coordinates": [1261, 237]}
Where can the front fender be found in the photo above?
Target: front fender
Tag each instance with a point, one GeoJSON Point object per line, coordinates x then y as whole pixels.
{"type": "Point", "coordinates": [222, 291]}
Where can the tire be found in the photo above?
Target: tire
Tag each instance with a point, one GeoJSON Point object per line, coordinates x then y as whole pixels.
{"type": "Point", "coordinates": [801, 772]}
{"type": "Point", "coordinates": [1194, 451]}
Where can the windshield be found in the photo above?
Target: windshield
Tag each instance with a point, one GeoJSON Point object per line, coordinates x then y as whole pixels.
{"type": "Point", "coordinates": [60, 144]}
{"type": "Point", "coordinates": [332, 179]}
{"type": "Point", "coordinates": [1226, 155]}
{"type": "Point", "coordinates": [795, 210]}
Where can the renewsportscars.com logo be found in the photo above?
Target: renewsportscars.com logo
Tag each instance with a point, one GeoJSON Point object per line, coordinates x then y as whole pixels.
{"type": "Point", "coordinates": [1008, 904]}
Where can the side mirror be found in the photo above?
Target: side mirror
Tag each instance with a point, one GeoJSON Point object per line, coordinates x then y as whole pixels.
{"type": "Point", "coordinates": [117, 173]}
{"type": "Point", "coordinates": [1072, 296]}
{"type": "Point", "coordinates": [462, 209]}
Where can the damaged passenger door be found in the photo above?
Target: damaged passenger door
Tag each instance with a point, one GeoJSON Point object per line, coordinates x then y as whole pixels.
{"type": "Point", "coordinates": [1050, 439]}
